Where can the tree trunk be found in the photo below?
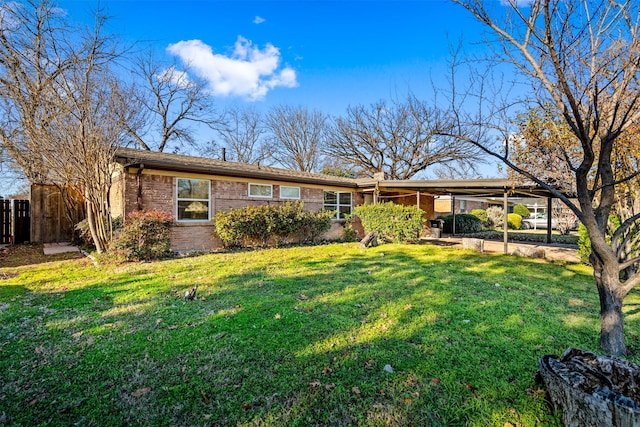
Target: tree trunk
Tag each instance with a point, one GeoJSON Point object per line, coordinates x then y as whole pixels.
{"type": "Point", "coordinates": [611, 318]}
{"type": "Point", "coordinates": [98, 241]}
{"type": "Point", "coordinates": [592, 390]}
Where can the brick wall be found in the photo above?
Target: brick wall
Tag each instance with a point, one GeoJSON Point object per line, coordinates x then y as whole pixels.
{"type": "Point", "coordinates": [159, 193]}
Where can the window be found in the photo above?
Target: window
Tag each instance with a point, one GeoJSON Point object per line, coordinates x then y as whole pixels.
{"type": "Point", "coordinates": [338, 202]}
{"type": "Point", "coordinates": [289, 192]}
{"type": "Point", "coordinates": [193, 199]}
{"type": "Point", "coordinates": [260, 190]}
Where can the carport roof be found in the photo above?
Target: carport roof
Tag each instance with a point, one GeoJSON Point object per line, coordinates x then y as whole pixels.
{"type": "Point", "coordinates": [468, 187]}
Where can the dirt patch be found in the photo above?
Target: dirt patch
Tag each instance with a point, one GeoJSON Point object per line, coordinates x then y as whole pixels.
{"type": "Point", "coordinates": [7, 276]}
{"type": "Point", "coordinates": [19, 255]}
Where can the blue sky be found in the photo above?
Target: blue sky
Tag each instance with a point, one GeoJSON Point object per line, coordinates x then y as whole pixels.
{"type": "Point", "coordinates": [324, 55]}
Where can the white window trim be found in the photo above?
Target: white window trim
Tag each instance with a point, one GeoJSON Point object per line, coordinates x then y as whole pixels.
{"type": "Point", "coordinates": [259, 197]}
{"type": "Point", "coordinates": [290, 198]}
{"type": "Point", "coordinates": [178, 199]}
{"type": "Point", "coordinates": [338, 204]}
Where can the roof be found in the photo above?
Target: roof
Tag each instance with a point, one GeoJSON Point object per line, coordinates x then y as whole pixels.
{"type": "Point", "coordinates": [469, 187]}
{"type": "Point", "coordinates": [182, 163]}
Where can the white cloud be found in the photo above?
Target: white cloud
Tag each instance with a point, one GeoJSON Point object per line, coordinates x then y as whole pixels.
{"type": "Point", "coordinates": [258, 20]}
{"type": "Point", "coordinates": [248, 71]}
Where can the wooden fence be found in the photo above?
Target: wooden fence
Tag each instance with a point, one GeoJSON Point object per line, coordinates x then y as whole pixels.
{"type": "Point", "coordinates": [15, 221]}
{"type": "Point", "coordinates": [54, 213]}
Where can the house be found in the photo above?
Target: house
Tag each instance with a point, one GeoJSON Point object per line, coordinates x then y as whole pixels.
{"type": "Point", "coordinates": [194, 189]}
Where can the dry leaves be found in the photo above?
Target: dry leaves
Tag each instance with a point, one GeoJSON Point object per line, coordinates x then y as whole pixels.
{"type": "Point", "coordinates": [141, 392]}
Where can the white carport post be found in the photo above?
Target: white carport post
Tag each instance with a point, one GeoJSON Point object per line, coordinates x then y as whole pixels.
{"type": "Point", "coordinates": [505, 224]}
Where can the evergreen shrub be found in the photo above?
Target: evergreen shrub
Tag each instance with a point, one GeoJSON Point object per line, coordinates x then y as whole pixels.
{"type": "Point", "coordinates": [514, 221]}
{"type": "Point", "coordinates": [521, 210]}
{"type": "Point", "coordinates": [266, 225]}
{"type": "Point", "coordinates": [481, 214]}
{"type": "Point", "coordinates": [145, 236]}
{"type": "Point", "coordinates": [394, 223]}
{"type": "Point", "coordinates": [465, 223]}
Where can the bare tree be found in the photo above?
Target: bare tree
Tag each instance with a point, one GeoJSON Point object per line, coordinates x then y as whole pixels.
{"type": "Point", "coordinates": [242, 133]}
{"type": "Point", "coordinates": [582, 59]}
{"type": "Point", "coordinates": [59, 102]}
{"type": "Point", "coordinates": [401, 139]}
{"type": "Point", "coordinates": [175, 103]}
{"type": "Point", "coordinates": [298, 136]}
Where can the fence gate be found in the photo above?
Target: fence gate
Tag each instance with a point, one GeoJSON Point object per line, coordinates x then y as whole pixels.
{"type": "Point", "coordinates": [5, 221]}
{"type": "Point", "coordinates": [15, 221]}
{"type": "Point", "coordinates": [21, 221]}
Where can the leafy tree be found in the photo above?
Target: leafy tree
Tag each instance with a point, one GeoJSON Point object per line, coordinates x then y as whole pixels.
{"type": "Point", "coordinates": [581, 60]}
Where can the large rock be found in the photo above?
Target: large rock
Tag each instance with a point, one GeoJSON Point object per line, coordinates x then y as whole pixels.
{"type": "Point", "coordinates": [472, 243]}
{"type": "Point", "coordinates": [528, 252]}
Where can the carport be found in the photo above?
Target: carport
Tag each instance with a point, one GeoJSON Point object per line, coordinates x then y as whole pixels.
{"type": "Point", "coordinates": [504, 188]}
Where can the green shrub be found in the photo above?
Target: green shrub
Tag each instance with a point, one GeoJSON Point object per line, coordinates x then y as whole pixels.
{"type": "Point", "coordinates": [521, 210]}
{"type": "Point", "coordinates": [265, 225]}
{"type": "Point", "coordinates": [514, 221]}
{"type": "Point", "coordinates": [584, 242]}
{"type": "Point", "coordinates": [394, 223]}
{"type": "Point", "coordinates": [146, 235]}
{"type": "Point", "coordinates": [465, 223]}
{"type": "Point", "coordinates": [481, 214]}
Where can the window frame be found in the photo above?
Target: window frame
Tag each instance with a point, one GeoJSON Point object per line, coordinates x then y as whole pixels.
{"type": "Point", "coordinates": [291, 198]}
{"type": "Point", "coordinates": [186, 199]}
{"type": "Point", "coordinates": [336, 207]}
{"type": "Point", "coordinates": [270, 196]}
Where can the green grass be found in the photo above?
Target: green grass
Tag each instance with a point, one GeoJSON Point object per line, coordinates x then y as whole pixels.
{"type": "Point", "coordinates": [296, 336]}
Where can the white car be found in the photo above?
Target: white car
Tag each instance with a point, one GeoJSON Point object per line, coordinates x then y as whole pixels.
{"type": "Point", "coordinates": [539, 221]}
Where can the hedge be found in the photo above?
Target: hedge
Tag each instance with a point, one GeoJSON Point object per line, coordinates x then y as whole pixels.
{"type": "Point", "coordinates": [465, 223]}
{"type": "Point", "coordinates": [268, 225]}
{"type": "Point", "coordinates": [394, 223]}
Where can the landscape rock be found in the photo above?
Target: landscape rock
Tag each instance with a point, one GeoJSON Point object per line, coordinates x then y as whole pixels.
{"type": "Point", "coordinates": [533, 252]}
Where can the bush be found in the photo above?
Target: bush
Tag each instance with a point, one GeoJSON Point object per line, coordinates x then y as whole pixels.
{"type": "Point", "coordinates": [265, 225]}
{"type": "Point", "coordinates": [495, 216]}
{"type": "Point", "coordinates": [394, 223]}
{"type": "Point", "coordinates": [83, 234]}
{"type": "Point", "coordinates": [146, 235]}
{"type": "Point", "coordinates": [481, 214]}
{"type": "Point", "coordinates": [521, 210]}
{"type": "Point", "coordinates": [584, 242]}
{"type": "Point", "coordinates": [514, 221]}
{"type": "Point", "coordinates": [465, 223]}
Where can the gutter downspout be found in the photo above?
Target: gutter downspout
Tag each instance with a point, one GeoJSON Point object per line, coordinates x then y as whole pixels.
{"type": "Point", "coordinates": [139, 183]}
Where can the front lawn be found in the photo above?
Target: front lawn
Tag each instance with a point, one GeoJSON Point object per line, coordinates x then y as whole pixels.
{"type": "Point", "coordinates": [329, 335]}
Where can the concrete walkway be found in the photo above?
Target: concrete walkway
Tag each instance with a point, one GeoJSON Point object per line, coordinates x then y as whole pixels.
{"type": "Point", "coordinates": [554, 252]}
{"type": "Point", "coordinates": [59, 248]}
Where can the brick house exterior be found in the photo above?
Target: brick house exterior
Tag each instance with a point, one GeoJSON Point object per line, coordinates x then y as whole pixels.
{"type": "Point", "coordinates": [145, 180]}
{"type": "Point", "coordinates": [194, 189]}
